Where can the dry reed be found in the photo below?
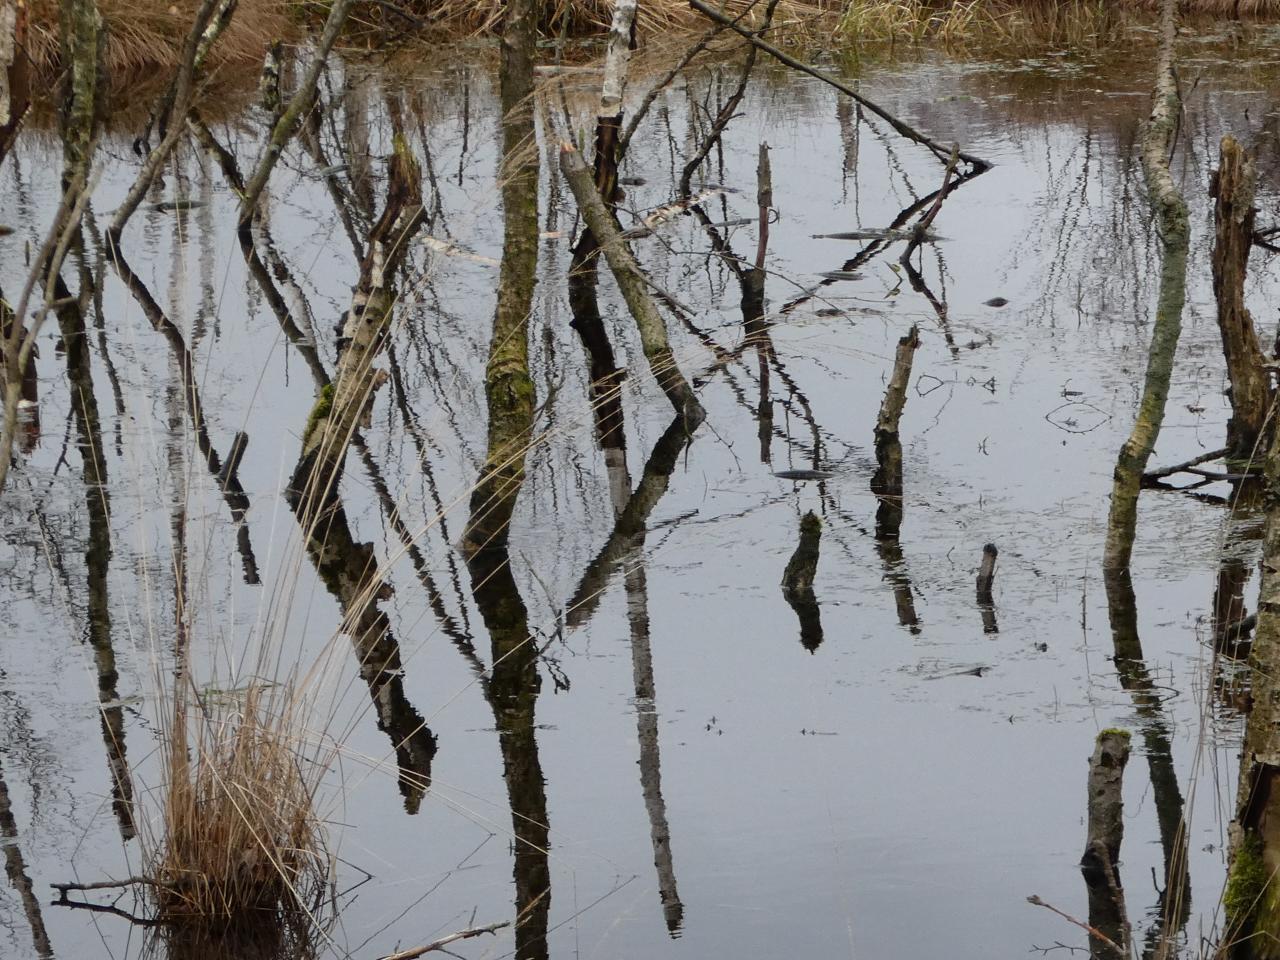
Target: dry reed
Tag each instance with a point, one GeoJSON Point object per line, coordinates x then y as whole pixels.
{"type": "Point", "coordinates": [240, 841]}
{"type": "Point", "coordinates": [143, 35]}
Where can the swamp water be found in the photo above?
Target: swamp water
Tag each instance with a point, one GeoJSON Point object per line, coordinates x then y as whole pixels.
{"type": "Point", "coordinates": [676, 773]}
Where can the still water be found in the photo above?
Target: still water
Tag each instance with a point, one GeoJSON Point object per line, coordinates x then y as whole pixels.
{"type": "Point", "coordinates": [689, 779]}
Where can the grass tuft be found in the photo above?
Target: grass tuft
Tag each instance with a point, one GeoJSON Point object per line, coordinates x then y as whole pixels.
{"type": "Point", "coordinates": [241, 844]}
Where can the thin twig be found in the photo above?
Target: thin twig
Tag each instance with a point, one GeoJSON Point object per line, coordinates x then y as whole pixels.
{"type": "Point", "coordinates": [1092, 931]}
{"type": "Point", "coordinates": [445, 941]}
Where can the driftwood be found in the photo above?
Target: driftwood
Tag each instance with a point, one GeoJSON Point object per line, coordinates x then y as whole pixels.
{"type": "Point", "coordinates": [1232, 189]}
{"type": "Point", "coordinates": [631, 282]}
{"type": "Point", "coordinates": [1172, 225]}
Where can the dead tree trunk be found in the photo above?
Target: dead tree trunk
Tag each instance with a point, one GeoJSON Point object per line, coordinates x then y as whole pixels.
{"type": "Point", "coordinates": [888, 447]}
{"type": "Point", "coordinates": [509, 390]}
{"type": "Point", "coordinates": [15, 73]}
{"type": "Point", "coordinates": [1171, 224]}
{"type": "Point", "coordinates": [1101, 861]}
{"type": "Point", "coordinates": [886, 482]}
{"type": "Point", "coordinates": [653, 332]}
{"type": "Point", "coordinates": [1232, 189]}
{"type": "Point", "coordinates": [1252, 898]}
{"type": "Point", "coordinates": [606, 377]}
{"type": "Point", "coordinates": [797, 581]}
{"type": "Point", "coordinates": [338, 408]}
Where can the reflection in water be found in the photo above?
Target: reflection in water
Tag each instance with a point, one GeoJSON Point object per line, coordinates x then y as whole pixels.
{"type": "Point", "coordinates": [350, 572]}
{"type": "Point", "coordinates": [1100, 864]}
{"type": "Point", "coordinates": [513, 695]}
{"type": "Point", "coordinates": [631, 521]}
{"type": "Point", "coordinates": [427, 435]}
{"type": "Point", "coordinates": [1174, 902]}
{"type": "Point", "coordinates": [97, 557]}
{"type": "Point", "coordinates": [514, 682]}
{"type": "Point", "coordinates": [16, 869]}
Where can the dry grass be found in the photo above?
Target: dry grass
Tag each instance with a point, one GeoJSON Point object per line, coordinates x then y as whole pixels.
{"type": "Point", "coordinates": [1067, 22]}
{"type": "Point", "coordinates": [240, 843]}
{"type": "Point", "coordinates": [145, 34]}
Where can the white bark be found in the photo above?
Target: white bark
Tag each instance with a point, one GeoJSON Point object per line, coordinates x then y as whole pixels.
{"type": "Point", "coordinates": [617, 58]}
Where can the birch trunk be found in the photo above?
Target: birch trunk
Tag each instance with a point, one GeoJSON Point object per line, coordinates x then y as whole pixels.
{"type": "Point", "coordinates": [1173, 229]}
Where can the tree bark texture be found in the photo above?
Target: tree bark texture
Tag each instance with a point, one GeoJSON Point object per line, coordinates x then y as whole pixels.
{"type": "Point", "coordinates": [338, 407]}
{"type": "Point", "coordinates": [509, 390]}
{"type": "Point", "coordinates": [1232, 189]}
{"type": "Point", "coordinates": [1101, 861]}
{"type": "Point", "coordinates": [1252, 898]}
{"type": "Point", "coordinates": [1172, 226]}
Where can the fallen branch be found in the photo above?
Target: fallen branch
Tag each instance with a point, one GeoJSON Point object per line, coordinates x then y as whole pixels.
{"type": "Point", "coordinates": [630, 279]}
{"type": "Point", "coordinates": [1180, 467]}
{"type": "Point", "coordinates": [64, 888]}
{"type": "Point", "coordinates": [445, 941]}
{"type": "Point", "coordinates": [941, 152]}
{"type": "Point", "coordinates": [920, 232]}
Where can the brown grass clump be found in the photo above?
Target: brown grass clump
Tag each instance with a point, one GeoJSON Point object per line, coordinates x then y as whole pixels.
{"type": "Point", "coordinates": [143, 35]}
{"type": "Point", "coordinates": [1069, 22]}
{"type": "Point", "coordinates": [241, 843]}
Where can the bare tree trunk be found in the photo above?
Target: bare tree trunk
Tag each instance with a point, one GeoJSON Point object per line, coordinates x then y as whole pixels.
{"type": "Point", "coordinates": [509, 390]}
{"type": "Point", "coordinates": [15, 73]}
{"type": "Point", "coordinates": [1232, 189]}
{"type": "Point", "coordinates": [339, 407]}
{"type": "Point", "coordinates": [886, 482]}
{"type": "Point", "coordinates": [1171, 222]}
